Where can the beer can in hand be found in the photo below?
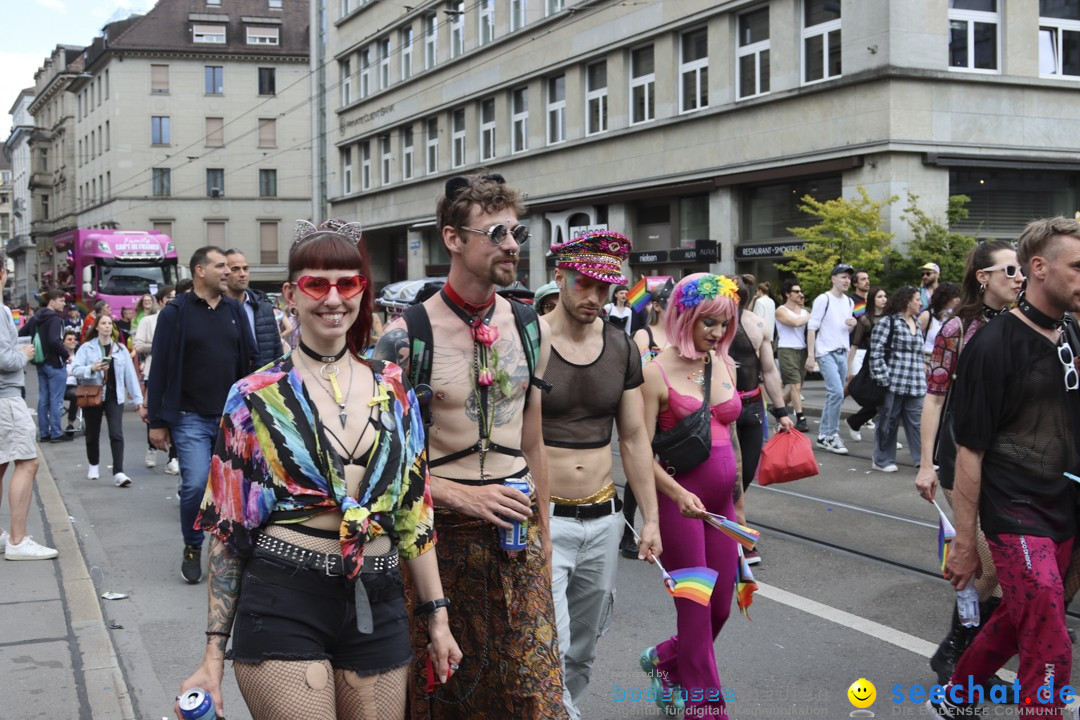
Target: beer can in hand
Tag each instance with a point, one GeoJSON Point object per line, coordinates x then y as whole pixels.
{"type": "Point", "coordinates": [197, 704]}
{"type": "Point", "coordinates": [515, 537]}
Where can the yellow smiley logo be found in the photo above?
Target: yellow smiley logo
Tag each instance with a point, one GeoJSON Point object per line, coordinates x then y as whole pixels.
{"type": "Point", "coordinates": [862, 693]}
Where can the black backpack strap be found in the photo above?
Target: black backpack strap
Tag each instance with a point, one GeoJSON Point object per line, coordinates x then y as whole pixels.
{"type": "Point", "coordinates": [528, 325]}
{"type": "Point", "coordinates": [421, 343]}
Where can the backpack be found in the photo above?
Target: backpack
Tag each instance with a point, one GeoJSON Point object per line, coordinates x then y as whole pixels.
{"type": "Point", "coordinates": [39, 352]}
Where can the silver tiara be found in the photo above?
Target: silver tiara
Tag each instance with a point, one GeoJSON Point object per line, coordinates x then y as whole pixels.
{"type": "Point", "coordinates": [351, 230]}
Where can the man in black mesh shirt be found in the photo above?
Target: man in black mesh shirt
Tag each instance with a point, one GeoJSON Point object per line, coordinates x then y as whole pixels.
{"type": "Point", "coordinates": [1017, 406]}
{"type": "Point", "coordinates": [595, 373]}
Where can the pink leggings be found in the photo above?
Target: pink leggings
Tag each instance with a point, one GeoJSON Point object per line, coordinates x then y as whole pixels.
{"type": "Point", "coordinates": [687, 658]}
{"type": "Point", "coordinates": [1029, 621]}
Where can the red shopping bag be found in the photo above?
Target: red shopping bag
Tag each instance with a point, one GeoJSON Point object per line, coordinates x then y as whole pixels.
{"type": "Point", "coordinates": [787, 456]}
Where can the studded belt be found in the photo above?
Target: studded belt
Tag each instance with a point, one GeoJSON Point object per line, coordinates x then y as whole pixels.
{"type": "Point", "coordinates": [329, 563]}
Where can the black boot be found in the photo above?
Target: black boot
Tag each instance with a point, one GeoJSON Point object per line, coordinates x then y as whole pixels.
{"type": "Point", "coordinates": [951, 648]}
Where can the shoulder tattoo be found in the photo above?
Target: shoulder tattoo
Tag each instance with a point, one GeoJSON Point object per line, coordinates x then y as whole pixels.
{"type": "Point", "coordinates": [394, 347]}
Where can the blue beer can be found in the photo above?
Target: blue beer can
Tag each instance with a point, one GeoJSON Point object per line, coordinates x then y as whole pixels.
{"type": "Point", "coordinates": [197, 704]}
{"type": "Point", "coordinates": [515, 537]}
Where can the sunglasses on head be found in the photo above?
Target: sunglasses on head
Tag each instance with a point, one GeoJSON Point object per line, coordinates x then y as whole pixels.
{"type": "Point", "coordinates": [497, 233]}
{"type": "Point", "coordinates": [1011, 271]}
{"type": "Point", "coordinates": [317, 288]}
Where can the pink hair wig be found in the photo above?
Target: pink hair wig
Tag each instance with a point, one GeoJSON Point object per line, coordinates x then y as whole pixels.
{"type": "Point", "coordinates": [679, 323]}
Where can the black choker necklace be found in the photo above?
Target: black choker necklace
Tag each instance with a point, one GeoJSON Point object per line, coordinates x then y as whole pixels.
{"type": "Point", "coordinates": [1036, 315]}
{"type": "Point", "coordinates": [320, 357]}
{"type": "Point", "coordinates": [990, 313]}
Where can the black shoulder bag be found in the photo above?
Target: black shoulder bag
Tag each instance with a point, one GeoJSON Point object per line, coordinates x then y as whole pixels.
{"type": "Point", "coordinates": [945, 440]}
{"type": "Point", "coordinates": [687, 444]}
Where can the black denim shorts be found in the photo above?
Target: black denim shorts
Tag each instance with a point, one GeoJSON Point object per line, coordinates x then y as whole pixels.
{"type": "Point", "coordinates": [289, 614]}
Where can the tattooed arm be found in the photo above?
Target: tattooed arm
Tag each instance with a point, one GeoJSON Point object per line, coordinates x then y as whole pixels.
{"type": "Point", "coordinates": [393, 346]}
{"type": "Point", "coordinates": [224, 569]}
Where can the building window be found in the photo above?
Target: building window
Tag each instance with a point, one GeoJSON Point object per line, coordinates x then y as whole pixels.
{"type": "Point", "coordinates": [215, 233]}
{"type": "Point", "coordinates": [263, 35]}
{"type": "Point", "coordinates": [407, 153]}
{"type": "Point", "coordinates": [487, 21]}
{"type": "Point", "coordinates": [214, 80]}
{"type": "Point", "coordinates": [108, 137]}
{"type": "Point", "coordinates": [769, 211]}
{"type": "Point", "coordinates": [457, 137]}
{"type": "Point", "coordinates": [1059, 38]}
{"type": "Point", "coordinates": [431, 41]}
{"type": "Point", "coordinates": [457, 28]}
{"type": "Point", "coordinates": [384, 63]}
{"type": "Point", "coordinates": [159, 79]}
{"type": "Point", "coordinates": [345, 69]}
{"type": "Point", "coordinates": [386, 158]}
{"type": "Point", "coordinates": [267, 81]}
{"type": "Point", "coordinates": [346, 170]}
{"type": "Point", "coordinates": [973, 34]}
{"type": "Point", "coordinates": [215, 132]}
{"type": "Point", "coordinates": [208, 34]}
{"type": "Point", "coordinates": [487, 129]}
{"type": "Point", "coordinates": [556, 110]}
{"type": "Point", "coordinates": [267, 183]}
{"type": "Point", "coordinates": [162, 182]}
{"type": "Point", "coordinates": [642, 85]}
{"type": "Point", "coordinates": [694, 70]}
{"type": "Point", "coordinates": [518, 17]}
{"type": "Point", "coordinates": [268, 243]}
{"type": "Point", "coordinates": [159, 130]}
{"type": "Point", "coordinates": [365, 73]}
{"type": "Point", "coordinates": [365, 165]}
{"type": "Point", "coordinates": [276, 4]}
{"type": "Point", "coordinates": [519, 119]}
{"type": "Point", "coordinates": [106, 84]}
{"type": "Point", "coordinates": [215, 182]}
{"type": "Point", "coordinates": [596, 98]}
{"type": "Point", "coordinates": [432, 146]}
{"type": "Point", "coordinates": [267, 132]}
{"type": "Point", "coordinates": [752, 54]}
{"type": "Point", "coordinates": [213, 2]}
{"type": "Point", "coordinates": [406, 53]}
{"type": "Point", "coordinates": [554, 6]}
{"type": "Point", "coordinates": [45, 207]}
{"type": "Point", "coordinates": [821, 40]}
{"type": "Point", "coordinates": [346, 7]}
{"type": "Point", "coordinates": [165, 228]}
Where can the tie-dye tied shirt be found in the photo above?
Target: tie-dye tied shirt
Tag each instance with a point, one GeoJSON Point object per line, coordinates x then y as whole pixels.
{"type": "Point", "coordinates": [272, 461]}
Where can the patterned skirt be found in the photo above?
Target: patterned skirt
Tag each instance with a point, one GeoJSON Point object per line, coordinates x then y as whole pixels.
{"type": "Point", "coordinates": [501, 614]}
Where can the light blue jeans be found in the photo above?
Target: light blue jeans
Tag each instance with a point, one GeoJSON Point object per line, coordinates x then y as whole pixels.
{"type": "Point", "coordinates": [52, 381]}
{"type": "Point", "coordinates": [833, 368]}
{"type": "Point", "coordinates": [193, 436]}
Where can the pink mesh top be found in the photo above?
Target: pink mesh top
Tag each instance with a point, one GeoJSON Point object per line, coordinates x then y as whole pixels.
{"type": "Point", "coordinates": [679, 406]}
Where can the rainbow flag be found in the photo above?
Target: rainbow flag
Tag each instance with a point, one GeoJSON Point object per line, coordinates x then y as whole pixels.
{"type": "Point", "coordinates": [747, 537]}
{"type": "Point", "coordinates": [639, 296]}
{"type": "Point", "coordinates": [945, 536]}
{"type": "Point", "coordinates": [745, 585]}
{"type": "Point", "coordinates": [694, 583]}
{"type": "Point", "coordinates": [860, 309]}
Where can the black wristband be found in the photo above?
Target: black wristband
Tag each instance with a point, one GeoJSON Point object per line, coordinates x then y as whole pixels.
{"type": "Point", "coordinates": [779, 412]}
{"type": "Point", "coordinates": [212, 633]}
{"type": "Point", "coordinates": [429, 608]}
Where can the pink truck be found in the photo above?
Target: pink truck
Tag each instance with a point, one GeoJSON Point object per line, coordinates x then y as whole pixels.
{"type": "Point", "coordinates": [118, 266]}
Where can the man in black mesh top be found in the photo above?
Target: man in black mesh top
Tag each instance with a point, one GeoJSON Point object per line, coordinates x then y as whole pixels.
{"type": "Point", "coordinates": [1017, 400]}
{"type": "Point", "coordinates": [595, 373]}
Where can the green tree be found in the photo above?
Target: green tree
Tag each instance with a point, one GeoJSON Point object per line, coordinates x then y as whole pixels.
{"type": "Point", "coordinates": [933, 242]}
{"type": "Point", "coordinates": [848, 231]}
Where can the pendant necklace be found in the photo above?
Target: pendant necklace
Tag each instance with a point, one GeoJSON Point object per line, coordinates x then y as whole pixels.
{"type": "Point", "coordinates": [698, 378]}
{"type": "Point", "coordinates": [329, 372]}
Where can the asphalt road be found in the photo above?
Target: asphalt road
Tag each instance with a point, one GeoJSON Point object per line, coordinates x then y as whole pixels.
{"type": "Point", "coordinates": [849, 590]}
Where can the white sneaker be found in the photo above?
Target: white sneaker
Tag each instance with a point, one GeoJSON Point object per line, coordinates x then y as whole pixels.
{"type": "Point", "coordinates": [92, 472]}
{"type": "Point", "coordinates": [151, 458]}
{"type": "Point", "coordinates": [28, 550]}
{"type": "Point", "coordinates": [172, 467]}
{"type": "Point", "coordinates": [855, 434]}
{"type": "Point", "coordinates": [833, 444]}
{"type": "Point", "coordinates": [3, 540]}
{"type": "Point", "coordinates": [121, 480]}
{"type": "Point", "coordinates": [870, 425]}
{"type": "Point", "coordinates": [899, 446]}
{"type": "Point", "coordinates": [886, 468]}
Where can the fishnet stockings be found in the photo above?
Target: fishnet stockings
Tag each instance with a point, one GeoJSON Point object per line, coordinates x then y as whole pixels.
{"type": "Point", "coordinates": [372, 697]}
{"type": "Point", "coordinates": [987, 585]}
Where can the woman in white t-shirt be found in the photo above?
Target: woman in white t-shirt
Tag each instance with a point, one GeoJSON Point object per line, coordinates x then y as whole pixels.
{"type": "Point", "coordinates": [942, 303]}
{"type": "Point", "coordinates": [617, 311]}
{"type": "Point", "coordinates": [765, 308]}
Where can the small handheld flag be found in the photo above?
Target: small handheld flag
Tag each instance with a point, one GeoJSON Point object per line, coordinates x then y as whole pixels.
{"type": "Point", "coordinates": [745, 585]}
{"type": "Point", "coordinates": [946, 534]}
{"type": "Point", "coordinates": [694, 583]}
{"type": "Point", "coordinates": [639, 296]}
{"type": "Point", "coordinates": [747, 537]}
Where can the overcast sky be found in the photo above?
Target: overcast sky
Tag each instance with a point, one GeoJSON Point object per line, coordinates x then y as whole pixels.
{"type": "Point", "coordinates": [32, 28]}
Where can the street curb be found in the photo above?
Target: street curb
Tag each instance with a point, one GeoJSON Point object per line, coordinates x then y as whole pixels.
{"type": "Point", "coordinates": [106, 690]}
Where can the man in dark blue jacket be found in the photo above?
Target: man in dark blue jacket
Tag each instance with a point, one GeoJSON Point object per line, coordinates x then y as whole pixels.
{"type": "Point", "coordinates": [202, 345]}
{"type": "Point", "coordinates": [259, 310]}
{"type": "Point", "coordinates": [48, 325]}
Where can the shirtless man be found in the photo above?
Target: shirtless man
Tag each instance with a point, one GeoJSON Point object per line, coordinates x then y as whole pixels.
{"type": "Point", "coordinates": [476, 359]}
{"type": "Point", "coordinates": [595, 372]}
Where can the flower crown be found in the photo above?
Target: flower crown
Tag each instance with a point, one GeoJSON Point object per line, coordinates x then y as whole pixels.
{"type": "Point", "coordinates": [350, 230]}
{"type": "Point", "coordinates": [706, 287]}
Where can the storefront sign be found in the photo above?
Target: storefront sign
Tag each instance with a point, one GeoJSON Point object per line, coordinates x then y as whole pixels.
{"type": "Point", "coordinates": [758, 252]}
{"type": "Point", "coordinates": [648, 256]}
{"type": "Point", "coordinates": [684, 255]}
{"type": "Point", "coordinates": [581, 229]}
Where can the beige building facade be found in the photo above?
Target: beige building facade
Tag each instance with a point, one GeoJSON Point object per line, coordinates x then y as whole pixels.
{"type": "Point", "coordinates": [695, 126]}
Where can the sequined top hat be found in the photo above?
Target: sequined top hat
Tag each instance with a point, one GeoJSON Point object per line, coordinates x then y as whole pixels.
{"type": "Point", "coordinates": [598, 254]}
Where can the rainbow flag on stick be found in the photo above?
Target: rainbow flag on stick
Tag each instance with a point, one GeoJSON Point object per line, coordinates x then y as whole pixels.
{"type": "Point", "coordinates": [694, 583]}
{"type": "Point", "coordinates": [946, 534]}
{"type": "Point", "coordinates": [745, 585]}
{"type": "Point", "coordinates": [747, 537]}
{"type": "Point", "coordinates": [639, 296]}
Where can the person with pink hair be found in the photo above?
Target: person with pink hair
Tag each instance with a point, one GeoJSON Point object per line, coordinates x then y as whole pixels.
{"type": "Point", "coordinates": [700, 324]}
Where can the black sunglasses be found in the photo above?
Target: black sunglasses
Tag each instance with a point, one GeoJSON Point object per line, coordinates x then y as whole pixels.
{"type": "Point", "coordinates": [498, 232]}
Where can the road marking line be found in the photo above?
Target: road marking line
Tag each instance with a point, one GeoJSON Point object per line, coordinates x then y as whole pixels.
{"type": "Point", "coordinates": [849, 507]}
{"type": "Point", "coordinates": [875, 630]}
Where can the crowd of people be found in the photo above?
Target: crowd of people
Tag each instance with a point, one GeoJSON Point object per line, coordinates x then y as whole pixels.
{"type": "Point", "coordinates": [473, 445]}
